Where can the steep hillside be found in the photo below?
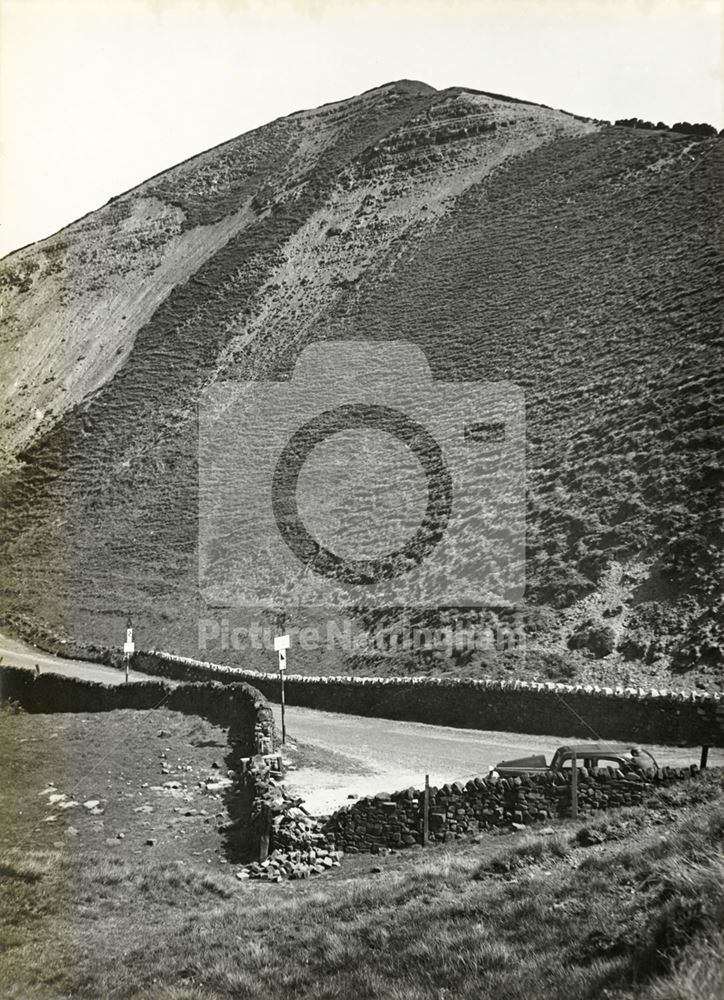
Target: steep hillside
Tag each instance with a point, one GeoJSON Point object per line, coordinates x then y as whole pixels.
{"type": "Point", "coordinates": [510, 241]}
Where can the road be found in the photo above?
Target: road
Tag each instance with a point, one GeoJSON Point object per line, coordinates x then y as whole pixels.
{"type": "Point", "coordinates": [14, 653]}
{"type": "Point", "coordinates": [367, 755]}
{"type": "Point", "coordinates": [399, 754]}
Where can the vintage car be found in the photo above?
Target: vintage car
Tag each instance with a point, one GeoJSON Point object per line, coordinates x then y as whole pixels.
{"type": "Point", "coordinates": [624, 757]}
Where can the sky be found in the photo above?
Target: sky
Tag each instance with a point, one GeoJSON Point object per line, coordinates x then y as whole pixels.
{"type": "Point", "coordinates": [98, 95]}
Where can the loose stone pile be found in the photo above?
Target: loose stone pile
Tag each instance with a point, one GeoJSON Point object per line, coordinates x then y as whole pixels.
{"type": "Point", "coordinates": [281, 865]}
{"type": "Point", "coordinates": [300, 845]}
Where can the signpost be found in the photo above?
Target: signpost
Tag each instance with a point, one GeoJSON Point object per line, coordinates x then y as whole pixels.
{"type": "Point", "coordinates": [129, 647]}
{"type": "Point", "coordinates": [281, 645]}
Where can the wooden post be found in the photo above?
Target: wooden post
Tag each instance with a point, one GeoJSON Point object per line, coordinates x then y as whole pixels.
{"type": "Point", "coordinates": [574, 787]}
{"type": "Point", "coordinates": [426, 812]}
{"type": "Point", "coordinates": [704, 757]}
{"type": "Point", "coordinates": [126, 663]}
{"type": "Point", "coordinates": [284, 728]}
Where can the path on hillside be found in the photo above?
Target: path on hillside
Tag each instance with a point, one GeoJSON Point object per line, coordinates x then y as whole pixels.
{"type": "Point", "coordinates": [382, 755]}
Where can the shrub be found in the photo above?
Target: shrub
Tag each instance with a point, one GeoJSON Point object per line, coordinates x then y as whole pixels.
{"type": "Point", "coordinates": [595, 637]}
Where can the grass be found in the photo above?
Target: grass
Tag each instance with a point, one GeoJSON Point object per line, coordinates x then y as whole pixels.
{"type": "Point", "coordinates": [514, 916]}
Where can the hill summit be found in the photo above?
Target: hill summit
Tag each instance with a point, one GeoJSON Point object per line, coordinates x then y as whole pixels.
{"type": "Point", "coordinates": [507, 240]}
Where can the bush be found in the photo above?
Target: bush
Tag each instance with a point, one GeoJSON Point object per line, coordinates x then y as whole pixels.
{"type": "Point", "coordinates": [595, 637]}
{"type": "Point", "coordinates": [700, 128]}
{"type": "Point", "coordinates": [560, 586]}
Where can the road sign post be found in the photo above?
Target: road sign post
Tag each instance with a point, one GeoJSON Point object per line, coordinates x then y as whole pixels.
{"type": "Point", "coordinates": [129, 647]}
{"type": "Point", "coordinates": [281, 645]}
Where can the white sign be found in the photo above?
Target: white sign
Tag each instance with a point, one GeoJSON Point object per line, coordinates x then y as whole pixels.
{"type": "Point", "coordinates": [129, 647]}
{"type": "Point", "coordinates": [129, 635]}
{"type": "Point", "coordinates": [281, 644]}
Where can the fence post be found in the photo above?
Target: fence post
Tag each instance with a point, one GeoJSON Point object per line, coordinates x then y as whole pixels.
{"type": "Point", "coordinates": [704, 758]}
{"type": "Point", "coordinates": [426, 812]}
{"type": "Point", "coordinates": [574, 787]}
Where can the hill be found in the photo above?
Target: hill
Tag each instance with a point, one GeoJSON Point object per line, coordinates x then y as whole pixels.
{"type": "Point", "coordinates": [626, 904]}
{"type": "Point", "coordinates": [509, 241]}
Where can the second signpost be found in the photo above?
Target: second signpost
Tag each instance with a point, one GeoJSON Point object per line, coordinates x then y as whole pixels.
{"type": "Point", "coordinates": [281, 645]}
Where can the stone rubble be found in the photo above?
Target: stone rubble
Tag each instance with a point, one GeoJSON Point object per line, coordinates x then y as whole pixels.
{"type": "Point", "coordinates": [300, 846]}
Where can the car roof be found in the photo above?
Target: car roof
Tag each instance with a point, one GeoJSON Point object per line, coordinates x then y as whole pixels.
{"type": "Point", "coordinates": [594, 749]}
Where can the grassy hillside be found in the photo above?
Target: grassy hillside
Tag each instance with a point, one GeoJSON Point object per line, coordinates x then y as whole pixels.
{"type": "Point", "coordinates": [627, 906]}
{"type": "Point", "coordinates": [509, 241]}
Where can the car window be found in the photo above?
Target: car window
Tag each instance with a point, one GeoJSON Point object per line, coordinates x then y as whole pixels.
{"type": "Point", "coordinates": [609, 762]}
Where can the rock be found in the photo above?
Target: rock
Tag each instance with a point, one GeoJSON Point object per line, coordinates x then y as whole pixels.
{"type": "Point", "coordinates": [589, 838]}
{"type": "Point", "coordinates": [376, 870]}
{"type": "Point", "coordinates": [150, 842]}
{"type": "Point", "coordinates": [213, 785]}
{"type": "Point", "coordinates": [91, 804]}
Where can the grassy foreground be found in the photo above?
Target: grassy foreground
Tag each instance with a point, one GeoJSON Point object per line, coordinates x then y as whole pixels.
{"type": "Point", "coordinates": [627, 906]}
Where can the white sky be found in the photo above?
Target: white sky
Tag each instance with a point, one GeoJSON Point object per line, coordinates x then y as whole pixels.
{"type": "Point", "coordinates": [98, 95]}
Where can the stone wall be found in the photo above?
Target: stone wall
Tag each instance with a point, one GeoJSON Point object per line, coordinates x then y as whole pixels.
{"type": "Point", "coordinates": [674, 718]}
{"type": "Point", "coordinates": [239, 708]}
{"type": "Point", "coordinates": [564, 710]}
{"type": "Point", "coordinates": [458, 810]}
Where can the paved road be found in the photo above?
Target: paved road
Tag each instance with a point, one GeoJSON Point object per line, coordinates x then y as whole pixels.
{"type": "Point", "coordinates": [381, 755]}
{"type": "Point", "coordinates": [399, 754]}
{"type": "Point", "coordinates": [19, 654]}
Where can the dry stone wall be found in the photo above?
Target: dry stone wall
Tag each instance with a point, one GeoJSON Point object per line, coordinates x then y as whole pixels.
{"type": "Point", "coordinates": [655, 716]}
{"type": "Point", "coordinates": [238, 707]}
{"type": "Point", "coordinates": [461, 810]}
